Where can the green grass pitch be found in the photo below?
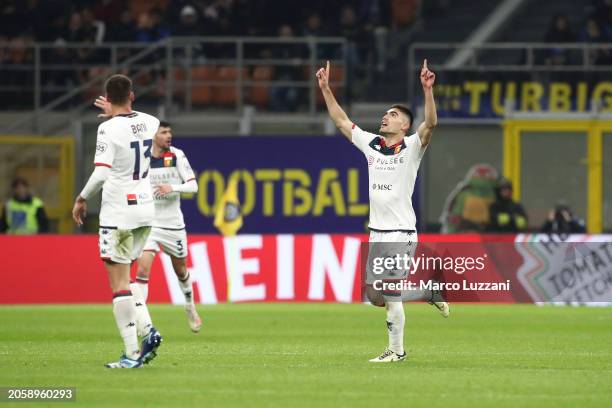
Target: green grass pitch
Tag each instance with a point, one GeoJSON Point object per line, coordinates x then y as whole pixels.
{"type": "Point", "coordinates": [316, 355]}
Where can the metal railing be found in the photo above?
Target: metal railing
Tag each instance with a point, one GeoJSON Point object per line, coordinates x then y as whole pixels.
{"type": "Point", "coordinates": [511, 59]}
{"type": "Point", "coordinates": [177, 74]}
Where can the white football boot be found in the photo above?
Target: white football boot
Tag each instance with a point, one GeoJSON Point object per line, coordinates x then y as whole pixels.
{"type": "Point", "coordinates": [388, 356]}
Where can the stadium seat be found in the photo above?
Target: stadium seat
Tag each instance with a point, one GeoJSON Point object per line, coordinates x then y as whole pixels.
{"type": "Point", "coordinates": [202, 94]}
{"type": "Point", "coordinates": [259, 95]}
{"type": "Point", "coordinates": [178, 85]}
{"type": "Point", "coordinates": [95, 90]}
{"type": "Point", "coordinates": [225, 94]}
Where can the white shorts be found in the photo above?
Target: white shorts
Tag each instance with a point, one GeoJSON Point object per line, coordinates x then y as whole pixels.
{"type": "Point", "coordinates": [172, 242]}
{"type": "Point", "coordinates": [384, 244]}
{"type": "Point", "coordinates": [122, 246]}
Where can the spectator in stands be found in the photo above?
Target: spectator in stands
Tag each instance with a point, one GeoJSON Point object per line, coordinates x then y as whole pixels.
{"type": "Point", "coordinates": [506, 215]}
{"type": "Point", "coordinates": [150, 27]}
{"type": "Point", "coordinates": [358, 45]}
{"type": "Point", "coordinates": [559, 32]}
{"type": "Point", "coordinates": [350, 29]}
{"type": "Point", "coordinates": [603, 14]}
{"type": "Point", "coordinates": [593, 33]}
{"type": "Point", "coordinates": [188, 25]}
{"type": "Point", "coordinates": [50, 20]}
{"type": "Point", "coordinates": [23, 214]}
{"type": "Point", "coordinates": [77, 31]}
{"type": "Point", "coordinates": [13, 18]}
{"type": "Point", "coordinates": [467, 207]}
{"type": "Point", "coordinates": [561, 220]}
{"type": "Point", "coordinates": [94, 29]}
{"type": "Point", "coordinates": [63, 77]}
{"type": "Point", "coordinates": [123, 29]}
{"type": "Point", "coordinates": [284, 98]}
{"type": "Point", "coordinates": [21, 55]}
{"type": "Point", "coordinates": [375, 17]}
{"type": "Point", "coordinates": [313, 27]}
{"type": "Point", "coordinates": [220, 16]}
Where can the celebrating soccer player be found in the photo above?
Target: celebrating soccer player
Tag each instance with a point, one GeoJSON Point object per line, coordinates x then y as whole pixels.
{"type": "Point", "coordinates": [393, 162]}
{"type": "Point", "coordinates": [122, 158]}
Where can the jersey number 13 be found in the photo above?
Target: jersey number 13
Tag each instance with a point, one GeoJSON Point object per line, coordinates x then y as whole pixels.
{"type": "Point", "coordinates": [147, 153]}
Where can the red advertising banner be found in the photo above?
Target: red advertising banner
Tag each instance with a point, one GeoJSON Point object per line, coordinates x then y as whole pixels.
{"type": "Point", "coordinates": [319, 268]}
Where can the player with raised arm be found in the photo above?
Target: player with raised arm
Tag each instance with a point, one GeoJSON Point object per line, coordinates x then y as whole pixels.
{"type": "Point", "coordinates": [393, 161]}
{"type": "Point", "coordinates": [170, 174]}
{"type": "Point", "coordinates": [123, 151]}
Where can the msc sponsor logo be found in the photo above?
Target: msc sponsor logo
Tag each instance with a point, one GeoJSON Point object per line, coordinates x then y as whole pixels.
{"type": "Point", "coordinates": [382, 187]}
{"type": "Point", "coordinates": [370, 160]}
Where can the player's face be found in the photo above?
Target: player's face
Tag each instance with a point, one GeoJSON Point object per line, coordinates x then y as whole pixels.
{"type": "Point", "coordinates": [21, 191]}
{"type": "Point", "coordinates": [394, 122]}
{"type": "Point", "coordinates": [163, 138]}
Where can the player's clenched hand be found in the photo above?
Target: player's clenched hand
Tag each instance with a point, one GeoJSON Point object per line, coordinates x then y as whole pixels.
{"type": "Point", "coordinates": [102, 103]}
{"type": "Point", "coordinates": [162, 190]}
{"type": "Point", "coordinates": [427, 77]}
{"type": "Point", "coordinates": [323, 77]}
{"type": "Point", "coordinates": [79, 211]}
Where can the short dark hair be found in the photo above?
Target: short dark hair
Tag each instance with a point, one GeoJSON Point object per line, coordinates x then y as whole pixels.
{"type": "Point", "coordinates": [118, 88]}
{"type": "Point", "coordinates": [163, 123]}
{"type": "Point", "coordinates": [405, 110]}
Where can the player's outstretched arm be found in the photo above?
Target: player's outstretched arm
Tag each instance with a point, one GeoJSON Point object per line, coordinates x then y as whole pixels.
{"type": "Point", "coordinates": [431, 117]}
{"type": "Point", "coordinates": [335, 111]}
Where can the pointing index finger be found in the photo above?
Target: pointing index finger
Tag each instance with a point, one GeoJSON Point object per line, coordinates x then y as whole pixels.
{"type": "Point", "coordinates": [425, 63]}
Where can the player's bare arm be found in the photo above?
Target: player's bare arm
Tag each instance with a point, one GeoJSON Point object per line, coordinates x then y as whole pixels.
{"type": "Point", "coordinates": [338, 115]}
{"type": "Point", "coordinates": [94, 184]}
{"type": "Point", "coordinates": [431, 118]}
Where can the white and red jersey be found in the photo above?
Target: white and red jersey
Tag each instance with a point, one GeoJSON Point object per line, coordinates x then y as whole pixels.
{"type": "Point", "coordinates": [124, 145]}
{"type": "Point", "coordinates": [392, 172]}
{"type": "Point", "coordinates": [171, 168]}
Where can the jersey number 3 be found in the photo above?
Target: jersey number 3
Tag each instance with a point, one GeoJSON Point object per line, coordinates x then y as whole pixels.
{"type": "Point", "coordinates": [147, 153]}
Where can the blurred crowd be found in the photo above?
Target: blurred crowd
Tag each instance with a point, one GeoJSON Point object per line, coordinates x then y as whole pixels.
{"type": "Point", "coordinates": [95, 22]}
{"type": "Point", "coordinates": [151, 20]}
{"type": "Point", "coordinates": [596, 28]}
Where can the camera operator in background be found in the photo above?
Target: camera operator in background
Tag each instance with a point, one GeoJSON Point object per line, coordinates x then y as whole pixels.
{"type": "Point", "coordinates": [561, 220]}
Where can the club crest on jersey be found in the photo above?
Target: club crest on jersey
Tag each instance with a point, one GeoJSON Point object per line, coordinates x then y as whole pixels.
{"type": "Point", "coordinates": [397, 149]}
{"type": "Point", "coordinates": [131, 199]}
{"type": "Point", "coordinates": [168, 159]}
